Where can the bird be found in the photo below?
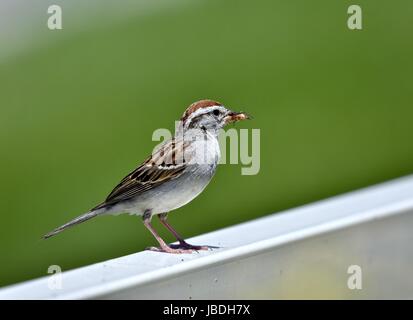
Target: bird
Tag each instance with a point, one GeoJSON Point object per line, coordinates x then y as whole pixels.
{"type": "Point", "coordinates": [176, 172]}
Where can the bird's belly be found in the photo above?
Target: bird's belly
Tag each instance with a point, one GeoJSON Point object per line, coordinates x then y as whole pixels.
{"type": "Point", "coordinates": [170, 196]}
{"type": "Point", "coordinates": [179, 195]}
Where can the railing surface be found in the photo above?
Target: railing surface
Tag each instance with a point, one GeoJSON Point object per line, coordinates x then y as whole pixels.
{"type": "Point", "coordinates": [356, 245]}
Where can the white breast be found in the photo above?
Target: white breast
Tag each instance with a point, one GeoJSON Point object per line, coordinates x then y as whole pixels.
{"type": "Point", "coordinates": [204, 157]}
{"type": "Point", "coordinates": [204, 150]}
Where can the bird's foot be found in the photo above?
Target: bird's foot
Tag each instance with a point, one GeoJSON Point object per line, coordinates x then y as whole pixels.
{"type": "Point", "coordinates": [171, 250]}
{"type": "Point", "coordinates": [186, 246]}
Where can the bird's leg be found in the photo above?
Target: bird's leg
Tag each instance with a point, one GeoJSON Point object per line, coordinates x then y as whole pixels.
{"type": "Point", "coordinates": [147, 217]}
{"type": "Point", "coordinates": [182, 243]}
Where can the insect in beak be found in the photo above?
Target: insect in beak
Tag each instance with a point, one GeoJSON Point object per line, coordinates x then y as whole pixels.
{"type": "Point", "coordinates": [236, 116]}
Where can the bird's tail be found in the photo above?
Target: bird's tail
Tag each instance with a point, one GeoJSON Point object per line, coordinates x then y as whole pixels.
{"type": "Point", "coordinates": [79, 219]}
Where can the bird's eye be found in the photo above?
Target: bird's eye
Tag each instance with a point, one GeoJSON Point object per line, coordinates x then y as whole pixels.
{"type": "Point", "coordinates": [216, 112]}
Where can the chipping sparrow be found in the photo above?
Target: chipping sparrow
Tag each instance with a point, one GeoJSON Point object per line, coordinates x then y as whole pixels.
{"type": "Point", "coordinates": [172, 176]}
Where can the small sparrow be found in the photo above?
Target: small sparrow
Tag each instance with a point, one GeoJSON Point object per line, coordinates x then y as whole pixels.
{"type": "Point", "coordinates": [176, 172]}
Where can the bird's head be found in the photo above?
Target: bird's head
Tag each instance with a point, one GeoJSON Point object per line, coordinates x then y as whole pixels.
{"type": "Point", "coordinates": [210, 115]}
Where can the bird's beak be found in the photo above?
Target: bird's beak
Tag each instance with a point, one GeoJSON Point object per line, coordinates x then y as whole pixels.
{"type": "Point", "coordinates": [236, 116]}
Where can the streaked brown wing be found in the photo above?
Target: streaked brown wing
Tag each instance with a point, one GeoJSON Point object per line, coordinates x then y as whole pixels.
{"type": "Point", "coordinates": [165, 164]}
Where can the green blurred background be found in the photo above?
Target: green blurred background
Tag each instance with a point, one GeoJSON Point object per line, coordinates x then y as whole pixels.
{"type": "Point", "coordinates": [79, 106]}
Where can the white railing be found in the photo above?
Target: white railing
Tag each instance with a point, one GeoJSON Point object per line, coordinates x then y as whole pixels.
{"type": "Point", "coordinates": [357, 245]}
